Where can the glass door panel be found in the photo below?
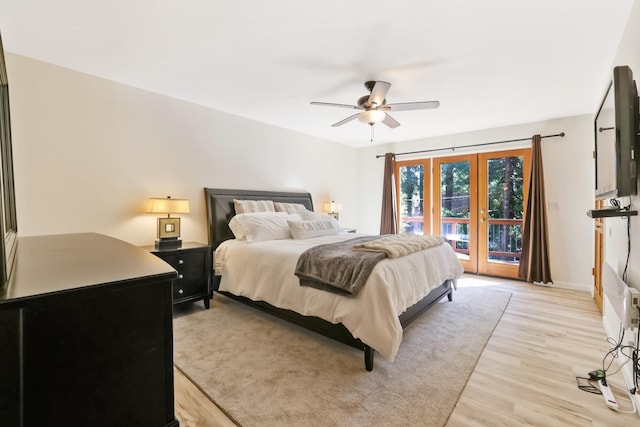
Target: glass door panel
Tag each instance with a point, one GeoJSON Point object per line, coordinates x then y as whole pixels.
{"type": "Point", "coordinates": [455, 206]}
{"type": "Point", "coordinates": [413, 196]}
{"type": "Point", "coordinates": [503, 178]}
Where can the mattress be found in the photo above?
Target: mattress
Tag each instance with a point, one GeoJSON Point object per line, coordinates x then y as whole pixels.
{"type": "Point", "coordinates": [264, 271]}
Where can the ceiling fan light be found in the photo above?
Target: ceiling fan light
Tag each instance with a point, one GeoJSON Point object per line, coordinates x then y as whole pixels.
{"type": "Point", "coordinates": [371, 117]}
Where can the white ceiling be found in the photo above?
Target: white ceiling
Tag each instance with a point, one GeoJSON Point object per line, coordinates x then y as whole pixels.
{"type": "Point", "coordinates": [490, 63]}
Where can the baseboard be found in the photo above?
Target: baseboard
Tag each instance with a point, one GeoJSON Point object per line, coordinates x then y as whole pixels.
{"type": "Point", "coordinates": [555, 284]}
{"type": "Point", "coordinates": [571, 286]}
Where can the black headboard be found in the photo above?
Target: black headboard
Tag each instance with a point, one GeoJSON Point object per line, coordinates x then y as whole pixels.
{"type": "Point", "coordinates": [220, 208]}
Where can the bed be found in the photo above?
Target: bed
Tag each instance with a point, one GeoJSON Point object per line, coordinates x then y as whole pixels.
{"type": "Point", "coordinates": [277, 291]}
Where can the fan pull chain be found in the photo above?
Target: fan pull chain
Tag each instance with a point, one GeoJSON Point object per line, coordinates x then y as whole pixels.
{"type": "Point", "coordinates": [372, 133]}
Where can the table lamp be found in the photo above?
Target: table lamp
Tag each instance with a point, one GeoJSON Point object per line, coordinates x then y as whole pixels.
{"type": "Point", "coordinates": [168, 228]}
{"type": "Point", "coordinates": [332, 208]}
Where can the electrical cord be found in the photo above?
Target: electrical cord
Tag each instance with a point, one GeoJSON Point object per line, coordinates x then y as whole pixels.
{"type": "Point", "coordinates": [636, 367]}
{"type": "Point", "coordinates": [591, 385]}
{"type": "Point", "coordinates": [629, 358]}
{"type": "Point", "coordinates": [629, 352]}
{"type": "Point", "coordinates": [617, 204]}
{"type": "Point", "coordinates": [628, 393]}
{"type": "Point", "coordinates": [617, 347]}
{"type": "Point", "coordinates": [626, 264]}
{"type": "Point", "coordinates": [613, 352]}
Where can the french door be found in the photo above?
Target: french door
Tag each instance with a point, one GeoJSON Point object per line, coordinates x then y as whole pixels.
{"type": "Point", "coordinates": [477, 204]}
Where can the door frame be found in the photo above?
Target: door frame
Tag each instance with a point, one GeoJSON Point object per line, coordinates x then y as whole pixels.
{"type": "Point", "coordinates": [598, 257]}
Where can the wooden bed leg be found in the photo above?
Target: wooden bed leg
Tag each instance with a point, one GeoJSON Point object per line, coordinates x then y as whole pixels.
{"type": "Point", "coordinates": [368, 358]}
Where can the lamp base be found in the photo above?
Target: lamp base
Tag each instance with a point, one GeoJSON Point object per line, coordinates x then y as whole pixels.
{"type": "Point", "coordinates": [168, 243]}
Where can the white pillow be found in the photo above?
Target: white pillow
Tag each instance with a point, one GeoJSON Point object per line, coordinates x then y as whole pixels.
{"type": "Point", "coordinates": [313, 216]}
{"type": "Point", "coordinates": [248, 206]}
{"type": "Point", "coordinates": [313, 228]}
{"type": "Point", "coordinates": [236, 227]}
{"type": "Point", "coordinates": [289, 207]}
{"type": "Point", "coordinates": [261, 226]}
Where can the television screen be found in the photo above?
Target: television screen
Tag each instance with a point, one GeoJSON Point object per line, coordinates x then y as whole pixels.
{"type": "Point", "coordinates": [616, 129]}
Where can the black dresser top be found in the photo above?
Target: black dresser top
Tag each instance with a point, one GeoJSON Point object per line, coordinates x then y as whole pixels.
{"type": "Point", "coordinates": [59, 263]}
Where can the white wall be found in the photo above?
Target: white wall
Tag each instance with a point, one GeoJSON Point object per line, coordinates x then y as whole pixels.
{"type": "Point", "coordinates": [88, 153]}
{"type": "Point", "coordinates": [616, 229]}
{"type": "Point", "coordinates": [569, 181]}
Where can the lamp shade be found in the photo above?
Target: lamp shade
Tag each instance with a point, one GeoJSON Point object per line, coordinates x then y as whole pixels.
{"type": "Point", "coordinates": [332, 206]}
{"type": "Point", "coordinates": [168, 205]}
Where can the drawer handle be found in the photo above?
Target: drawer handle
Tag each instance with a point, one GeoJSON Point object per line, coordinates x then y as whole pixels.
{"type": "Point", "coordinates": [180, 291]}
{"type": "Point", "coordinates": [180, 276]}
{"type": "Point", "coordinates": [180, 261]}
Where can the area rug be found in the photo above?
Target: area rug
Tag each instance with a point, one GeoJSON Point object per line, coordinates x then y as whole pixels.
{"type": "Point", "coordinates": [262, 371]}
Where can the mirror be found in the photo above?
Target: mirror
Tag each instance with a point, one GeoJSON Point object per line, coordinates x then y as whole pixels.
{"type": "Point", "coordinates": [8, 222]}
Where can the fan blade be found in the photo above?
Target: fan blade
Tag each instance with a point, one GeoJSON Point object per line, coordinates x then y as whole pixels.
{"type": "Point", "coordinates": [390, 121]}
{"type": "Point", "coordinates": [343, 121]}
{"type": "Point", "coordinates": [403, 106]}
{"type": "Point", "coordinates": [378, 93]}
{"type": "Point", "coordinates": [331, 104]}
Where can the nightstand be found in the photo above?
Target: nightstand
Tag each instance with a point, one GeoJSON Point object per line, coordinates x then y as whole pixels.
{"type": "Point", "coordinates": [193, 263]}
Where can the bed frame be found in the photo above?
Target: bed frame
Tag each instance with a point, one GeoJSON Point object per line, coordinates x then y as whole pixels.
{"type": "Point", "coordinates": [220, 210]}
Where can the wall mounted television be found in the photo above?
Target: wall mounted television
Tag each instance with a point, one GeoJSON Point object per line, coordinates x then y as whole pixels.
{"type": "Point", "coordinates": [616, 137]}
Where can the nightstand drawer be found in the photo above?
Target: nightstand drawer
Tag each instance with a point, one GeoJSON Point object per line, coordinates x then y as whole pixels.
{"type": "Point", "coordinates": [185, 260]}
{"type": "Point", "coordinates": [187, 286]}
{"type": "Point", "coordinates": [189, 274]}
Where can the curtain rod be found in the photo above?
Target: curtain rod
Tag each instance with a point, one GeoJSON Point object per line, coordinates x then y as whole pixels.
{"type": "Point", "coordinates": [561, 135]}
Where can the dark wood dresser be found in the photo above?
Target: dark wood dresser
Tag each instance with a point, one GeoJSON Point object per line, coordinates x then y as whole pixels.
{"type": "Point", "coordinates": [86, 335]}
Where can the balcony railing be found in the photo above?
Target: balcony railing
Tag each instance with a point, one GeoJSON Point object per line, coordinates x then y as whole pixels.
{"type": "Point", "coordinates": [504, 239]}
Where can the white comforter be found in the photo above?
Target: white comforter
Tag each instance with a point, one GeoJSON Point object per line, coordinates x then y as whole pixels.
{"type": "Point", "coordinates": [264, 271]}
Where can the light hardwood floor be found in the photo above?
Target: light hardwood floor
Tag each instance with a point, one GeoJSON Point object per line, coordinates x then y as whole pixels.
{"type": "Point", "coordinates": [525, 376]}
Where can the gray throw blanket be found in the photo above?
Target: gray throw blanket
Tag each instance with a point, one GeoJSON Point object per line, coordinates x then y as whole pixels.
{"type": "Point", "coordinates": [336, 267]}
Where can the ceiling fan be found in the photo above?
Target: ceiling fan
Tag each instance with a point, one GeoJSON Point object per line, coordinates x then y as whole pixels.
{"type": "Point", "coordinates": [374, 107]}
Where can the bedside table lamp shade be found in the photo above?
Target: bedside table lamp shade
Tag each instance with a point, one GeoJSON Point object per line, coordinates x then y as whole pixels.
{"type": "Point", "coordinates": [332, 208]}
{"type": "Point", "coordinates": [168, 228]}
